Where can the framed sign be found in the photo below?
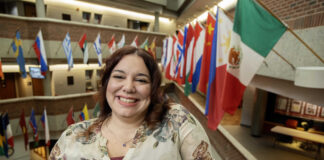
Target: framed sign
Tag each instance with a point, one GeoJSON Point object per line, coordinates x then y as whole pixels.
{"type": "Point", "coordinates": [281, 103]}
{"type": "Point", "coordinates": [311, 109]}
{"type": "Point", "coordinates": [296, 106]}
{"type": "Point", "coordinates": [322, 111]}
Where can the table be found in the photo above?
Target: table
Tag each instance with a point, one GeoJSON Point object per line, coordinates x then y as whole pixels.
{"type": "Point", "coordinates": [316, 138]}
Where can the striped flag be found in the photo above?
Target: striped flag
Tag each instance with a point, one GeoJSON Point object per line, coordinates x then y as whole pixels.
{"type": "Point", "coordinates": [179, 49]}
{"type": "Point", "coordinates": [205, 62]}
{"type": "Point", "coordinates": [17, 49]}
{"type": "Point", "coordinates": [182, 59]}
{"type": "Point", "coordinates": [68, 50]}
{"type": "Point", "coordinates": [168, 58]}
{"type": "Point", "coordinates": [173, 60]}
{"type": "Point", "coordinates": [9, 135]}
{"type": "Point", "coordinates": [121, 43]}
{"type": "Point", "coordinates": [112, 44]}
{"type": "Point", "coordinates": [251, 41]}
{"type": "Point", "coordinates": [40, 52]}
{"type": "Point", "coordinates": [33, 125]}
{"type": "Point", "coordinates": [189, 51]}
{"type": "Point", "coordinates": [84, 113]}
{"type": "Point", "coordinates": [3, 138]}
{"type": "Point", "coordinates": [144, 45]}
{"type": "Point", "coordinates": [69, 117]}
{"type": "Point", "coordinates": [214, 110]}
{"type": "Point", "coordinates": [152, 48]}
{"type": "Point", "coordinates": [84, 47]}
{"type": "Point", "coordinates": [23, 126]}
{"type": "Point", "coordinates": [164, 53]}
{"type": "Point", "coordinates": [45, 126]}
{"type": "Point", "coordinates": [97, 47]}
{"type": "Point", "coordinates": [197, 55]}
{"type": "Point", "coordinates": [135, 42]}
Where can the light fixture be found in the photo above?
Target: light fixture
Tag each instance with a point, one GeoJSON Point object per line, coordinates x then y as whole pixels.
{"type": "Point", "coordinates": [311, 77]}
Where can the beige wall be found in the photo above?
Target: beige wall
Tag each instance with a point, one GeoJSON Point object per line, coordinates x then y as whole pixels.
{"type": "Point", "coordinates": [25, 88]}
{"type": "Point", "coordinates": [61, 87]}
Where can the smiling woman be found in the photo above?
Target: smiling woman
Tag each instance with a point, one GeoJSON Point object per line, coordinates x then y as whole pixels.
{"type": "Point", "coordinates": [135, 121]}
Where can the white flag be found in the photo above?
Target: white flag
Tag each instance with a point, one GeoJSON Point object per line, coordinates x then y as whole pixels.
{"type": "Point", "coordinates": [68, 50]}
{"type": "Point", "coordinates": [97, 47]}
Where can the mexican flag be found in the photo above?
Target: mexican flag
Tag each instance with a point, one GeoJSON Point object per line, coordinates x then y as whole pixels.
{"type": "Point", "coordinates": [255, 32]}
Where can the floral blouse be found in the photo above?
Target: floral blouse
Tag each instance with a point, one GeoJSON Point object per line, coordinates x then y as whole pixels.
{"type": "Point", "coordinates": [179, 136]}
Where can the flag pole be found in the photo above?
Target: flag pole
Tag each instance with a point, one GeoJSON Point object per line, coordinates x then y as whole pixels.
{"type": "Point", "coordinates": [58, 49]}
{"type": "Point", "coordinates": [29, 49]}
{"type": "Point", "coordinates": [291, 31]}
{"type": "Point", "coordinates": [284, 59]}
{"type": "Point", "coordinates": [292, 66]}
{"type": "Point", "coordinates": [75, 46]}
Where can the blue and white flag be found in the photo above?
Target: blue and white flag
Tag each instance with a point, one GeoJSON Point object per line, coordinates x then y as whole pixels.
{"type": "Point", "coordinates": [97, 47]}
{"type": "Point", "coordinates": [68, 50]}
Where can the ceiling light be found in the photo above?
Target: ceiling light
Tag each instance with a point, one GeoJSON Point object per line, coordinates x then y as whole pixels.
{"type": "Point", "coordinates": [227, 4]}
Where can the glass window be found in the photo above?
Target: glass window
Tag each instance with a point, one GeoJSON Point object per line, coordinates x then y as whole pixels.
{"type": "Point", "coordinates": [138, 25]}
{"type": "Point", "coordinates": [86, 17]}
{"type": "Point", "coordinates": [66, 17]}
{"type": "Point", "coordinates": [97, 18]}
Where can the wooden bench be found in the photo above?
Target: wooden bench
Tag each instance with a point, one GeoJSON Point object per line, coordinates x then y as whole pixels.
{"type": "Point", "coordinates": [316, 138]}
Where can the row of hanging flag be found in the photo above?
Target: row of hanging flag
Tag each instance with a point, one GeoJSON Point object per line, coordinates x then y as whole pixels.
{"type": "Point", "coordinates": [40, 51]}
{"type": "Point", "coordinates": [221, 59]}
{"type": "Point", "coordinates": [6, 136]}
{"type": "Point", "coordinates": [84, 115]}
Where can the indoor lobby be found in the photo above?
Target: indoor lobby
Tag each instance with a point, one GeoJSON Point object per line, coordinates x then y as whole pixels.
{"type": "Point", "coordinates": [53, 53]}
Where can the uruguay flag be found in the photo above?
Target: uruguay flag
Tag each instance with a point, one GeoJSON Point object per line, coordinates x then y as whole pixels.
{"type": "Point", "coordinates": [68, 50]}
{"type": "Point", "coordinates": [40, 52]}
{"type": "Point", "coordinates": [97, 47]}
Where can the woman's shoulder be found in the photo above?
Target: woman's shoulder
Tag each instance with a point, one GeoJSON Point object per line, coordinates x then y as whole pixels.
{"type": "Point", "coordinates": [179, 114]}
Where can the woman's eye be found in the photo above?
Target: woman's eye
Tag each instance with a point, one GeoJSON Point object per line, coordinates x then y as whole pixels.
{"type": "Point", "coordinates": [118, 76]}
{"type": "Point", "coordinates": [142, 80]}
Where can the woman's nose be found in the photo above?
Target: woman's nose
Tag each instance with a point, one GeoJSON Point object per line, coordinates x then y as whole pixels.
{"type": "Point", "coordinates": [129, 86]}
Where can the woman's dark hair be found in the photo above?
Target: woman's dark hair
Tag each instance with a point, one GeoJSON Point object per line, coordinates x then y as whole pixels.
{"type": "Point", "coordinates": [157, 107]}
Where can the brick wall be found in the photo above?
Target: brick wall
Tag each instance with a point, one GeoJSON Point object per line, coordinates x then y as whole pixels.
{"type": "Point", "coordinates": [298, 14]}
{"type": "Point", "coordinates": [53, 30]}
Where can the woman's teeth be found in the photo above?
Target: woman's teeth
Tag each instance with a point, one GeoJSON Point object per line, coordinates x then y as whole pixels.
{"type": "Point", "coordinates": [127, 100]}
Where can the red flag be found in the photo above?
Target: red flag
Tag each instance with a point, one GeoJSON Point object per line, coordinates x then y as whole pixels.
{"type": "Point", "coordinates": [203, 80]}
{"type": "Point", "coordinates": [69, 118]}
{"type": "Point", "coordinates": [1, 73]}
{"type": "Point", "coordinates": [82, 41]}
{"type": "Point", "coordinates": [22, 123]}
{"type": "Point", "coordinates": [179, 50]}
{"type": "Point", "coordinates": [169, 56]}
{"type": "Point", "coordinates": [112, 44]}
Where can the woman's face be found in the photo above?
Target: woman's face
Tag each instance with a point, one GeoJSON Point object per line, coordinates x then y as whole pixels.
{"type": "Point", "coordinates": [129, 88]}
